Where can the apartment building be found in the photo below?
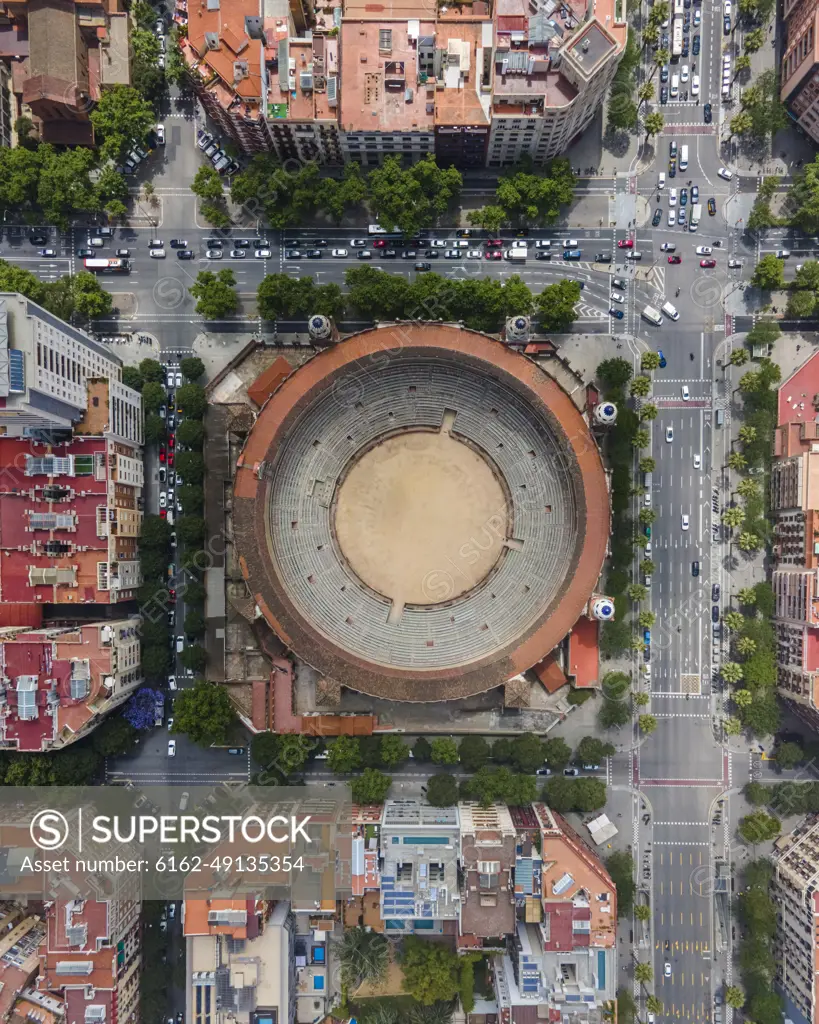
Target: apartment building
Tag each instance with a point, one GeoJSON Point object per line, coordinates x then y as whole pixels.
{"type": "Point", "coordinates": [56, 683]}
{"type": "Point", "coordinates": [70, 517]}
{"type": "Point", "coordinates": [799, 68]}
{"type": "Point", "coordinates": [240, 961]}
{"type": "Point", "coordinates": [64, 55]}
{"type": "Point", "coordinates": [794, 498]}
{"type": "Point", "coordinates": [21, 933]}
{"type": "Point", "coordinates": [488, 853]}
{"type": "Point", "coordinates": [477, 86]}
{"type": "Point", "coordinates": [46, 366]}
{"type": "Point", "coordinates": [796, 876]}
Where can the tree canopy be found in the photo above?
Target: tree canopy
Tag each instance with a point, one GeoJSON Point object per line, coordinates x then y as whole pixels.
{"type": "Point", "coordinates": [409, 198]}
{"type": "Point", "coordinates": [204, 713]}
{"type": "Point", "coordinates": [215, 294]}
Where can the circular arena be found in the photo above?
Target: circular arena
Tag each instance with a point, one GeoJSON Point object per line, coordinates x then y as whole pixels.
{"type": "Point", "coordinates": [420, 512]}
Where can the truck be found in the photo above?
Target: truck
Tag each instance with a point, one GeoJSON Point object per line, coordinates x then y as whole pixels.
{"type": "Point", "coordinates": [159, 709]}
{"type": "Point", "coordinates": [677, 37]}
{"type": "Point", "coordinates": [518, 255]}
{"type": "Point", "coordinates": [115, 266]}
{"type": "Point", "coordinates": [652, 315]}
{"type": "Point", "coordinates": [696, 213]}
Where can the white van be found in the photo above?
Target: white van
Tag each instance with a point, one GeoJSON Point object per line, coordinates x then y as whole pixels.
{"type": "Point", "coordinates": [675, 85]}
{"type": "Point", "coordinates": [661, 180]}
{"type": "Point", "coordinates": [683, 157]}
{"type": "Point", "coordinates": [669, 310]}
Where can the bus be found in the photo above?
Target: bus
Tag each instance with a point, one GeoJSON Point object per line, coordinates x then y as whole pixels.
{"type": "Point", "coordinates": [376, 229]}
{"type": "Point", "coordinates": [115, 266]}
{"type": "Point", "coordinates": [677, 37]}
{"type": "Point", "coordinates": [652, 315]}
{"type": "Point", "coordinates": [678, 8]}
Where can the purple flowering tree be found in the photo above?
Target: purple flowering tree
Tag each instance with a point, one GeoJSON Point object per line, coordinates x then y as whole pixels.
{"type": "Point", "coordinates": [140, 710]}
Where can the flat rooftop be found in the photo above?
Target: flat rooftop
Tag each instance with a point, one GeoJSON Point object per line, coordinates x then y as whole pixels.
{"type": "Point", "coordinates": [381, 92]}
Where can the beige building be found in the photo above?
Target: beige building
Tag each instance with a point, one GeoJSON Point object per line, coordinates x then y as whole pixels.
{"type": "Point", "coordinates": [796, 877]}
{"type": "Point", "coordinates": [799, 69]}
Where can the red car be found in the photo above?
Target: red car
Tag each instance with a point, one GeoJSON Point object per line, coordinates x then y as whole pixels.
{"type": "Point", "coordinates": [170, 460]}
{"type": "Point", "coordinates": [675, 259]}
{"type": "Point", "coordinates": [380, 243]}
{"type": "Point", "coordinates": [494, 243]}
{"type": "Point", "coordinates": [162, 453]}
{"type": "Point", "coordinates": [625, 243]}
{"type": "Point", "coordinates": [171, 440]}
{"type": "Point", "coordinates": [708, 263]}
{"type": "Point", "coordinates": [493, 254]}
{"type": "Point", "coordinates": [163, 513]}
{"type": "Point", "coordinates": [172, 595]}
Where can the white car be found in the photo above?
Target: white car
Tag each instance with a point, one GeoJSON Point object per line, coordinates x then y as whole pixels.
{"type": "Point", "coordinates": [725, 174]}
{"type": "Point", "coordinates": [686, 394]}
{"type": "Point", "coordinates": [669, 434]}
{"type": "Point", "coordinates": [617, 297]}
{"type": "Point", "coordinates": [170, 378]}
{"type": "Point", "coordinates": [172, 682]}
{"type": "Point", "coordinates": [474, 254]}
{"type": "Point", "coordinates": [697, 461]}
{"type": "Point", "coordinates": [180, 644]}
{"type": "Point", "coordinates": [171, 748]}
{"type": "Point", "coordinates": [359, 243]}
{"type": "Point", "coordinates": [697, 17]}
{"type": "Point", "coordinates": [156, 254]}
{"type": "Point", "coordinates": [237, 254]}
{"type": "Point", "coordinates": [569, 243]}
{"type": "Point", "coordinates": [647, 498]}
{"type": "Point", "coordinates": [160, 134]}
{"type": "Point", "coordinates": [726, 9]}
{"type": "Point", "coordinates": [667, 969]}
{"type": "Point", "coordinates": [170, 723]}
{"type": "Point", "coordinates": [783, 254]}
{"type": "Point", "coordinates": [695, 85]}
{"type": "Point", "coordinates": [684, 521]}
{"type": "Point", "coordinates": [179, 380]}
{"type": "Point", "coordinates": [704, 250]}
{"type": "Point", "coordinates": [263, 254]}
{"type": "Point", "coordinates": [668, 247]}
{"type": "Point", "coordinates": [736, 264]}
{"type": "Point", "coordinates": [439, 243]}
{"type": "Point", "coordinates": [461, 243]}
{"type": "Point", "coordinates": [672, 197]}
{"type": "Point", "coordinates": [684, 73]}
{"type": "Point", "coordinates": [672, 220]}
{"type": "Point", "coordinates": [163, 499]}
{"type": "Point", "coordinates": [341, 253]}
{"type": "Point", "coordinates": [214, 254]}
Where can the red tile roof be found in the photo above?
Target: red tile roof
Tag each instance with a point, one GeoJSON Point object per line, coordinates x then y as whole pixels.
{"type": "Point", "coordinates": [797, 392]}
{"type": "Point", "coordinates": [550, 674]}
{"type": "Point", "coordinates": [584, 652]}
{"type": "Point", "coordinates": [266, 383]}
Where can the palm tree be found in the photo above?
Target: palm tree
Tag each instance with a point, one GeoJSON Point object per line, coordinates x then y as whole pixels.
{"type": "Point", "coordinates": [438, 1013]}
{"type": "Point", "coordinates": [654, 1005]}
{"type": "Point", "coordinates": [364, 956]}
{"type": "Point", "coordinates": [383, 1013]}
{"type": "Point", "coordinates": [643, 973]}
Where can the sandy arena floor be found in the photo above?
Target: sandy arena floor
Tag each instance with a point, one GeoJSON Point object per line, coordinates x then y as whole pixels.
{"type": "Point", "coordinates": [421, 518]}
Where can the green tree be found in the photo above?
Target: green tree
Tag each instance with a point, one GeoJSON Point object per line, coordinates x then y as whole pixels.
{"type": "Point", "coordinates": [637, 592]}
{"type": "Point", "coordinates": [344, 755]}
{"type": "Point", "coordinates": [147, 77]}
{"type": "Point", "coordinates": [335, 197]}
{"type": "Point", "coordinates": [371, 787]}
{"type": "Point", "coordinates": [642, 912]}
{"type": "Point", "coordinates": [64, 186]}
{"type": "Point", "coordinates": [734, 620]}
{"type": "Point", "coordinates": [192, 368]}
{"type": "Point", "coordinates": [746, 646]}
{"type": "Point", "coordinates": [641, 439]}
{"type": "Point", "coordinates": [393, 750]}
{"type": "Point", "coordinates": [527, 752]}
{"type": "Point", "coordinates": [207, 184]}
{"type": "Point", "coordinates": [759, 827]}
{"type": "Point", "coordinates": [114, 737]}
{"type": "Point", "coordinates": [591, 750]}
{"type": "Point", "coordinates": [732, 726]}
{"type": "Point", "coordinates": [640, 699]}
{"type": "Point", "coordinates": [90, 298]}
{"type": "Point", "coordinates": [215, 294]}
{"type": "Point", "coordinates": [749, 542]}
{"type": "Point", "coordinates": [614, 373]}
{"type": "Point", "coordinates": [556, 305]}
{"type": "Point", "coordinates": [283, 197]}
{"type": "Point", "coordinates": [734, 996]}
{"type": "Point", "coordinates": [649, 361]}
{"type": "Point", "coordinates": [647, 516]}
{"type": "Point", "coordinates": [150, 369]}
{"type": "Point", "coordinates": [640, 387]}
{"type": "Point", "coordinates": [191, 401]}
{"type": "Point", "coordinates": [743, 698]}
{"type": "Point", "coordinates": [190, 434]}
{"type": "Point", "coordinates": [769, 273]}
{"type": "Point", "coordinates": [293, 750]}
{"type": "Point", "coordinates": [754, 40]}
{"type": "Point", "coordinates": [613, 714]}
{"type": "Point", "coordinates": [473, 752]}
{"type": "Point", "coordinates": [363, 956]}
{"type": "Point", "coordinates": [191, 466]}
{"type": "Point", "coordinates": [121, 120]}
{"type": "Point", "coordinates": [733, 516]}
{"type": "Point", "coordinates": [755, 793]}
{"type": "Point", "coordinates": [442, 790]}
{"type": "Point", "coordinates": [413, 197]}
{"type": "Point", "coordinates": [190, 529]}
{"type": "Point", "coordinates": [742, 124]}
{"type": "Point", "coordinates": [646, 92]}
{"type": "Point", "coordinates": [643, 973]}
{"type": "Point", "coordinates": [648, 411]}
{"type": "Point", "coordinates": [490, 218]}
{"type": "Point", "coordinates": [653, 1003]}
{"type": "Point", "coordinates": [801, 304]}
{"type": "Point", "coordinates": [153, 395]}
{"type": "Point", "coordinates": [195, 658]}
{"type": "Point", "coordinates": [620, 866]}
{"type": "Point", "coordinates": [556, 753]}
{"type": "Point", "coordinates": [647, 724]}
{"type": "Point", "coordinates": [536, 197]}
{"type": "Point", "coordinates": [654, 123]}
{"type": "Point", "coordinates": [203, 712]}
{"type": "Point", "coordinates": [444, 750]}
{"type": "Point", "coordinates": [195, 623]}
{"type": "Point", "coordinates": [789, 755]}
{"type": "Point", "coordinates": [502, 750]}
{"type": "Point", "coordinates": [431, 970]}
{"type": "Point", "coordinates": [737, 461]}
{"type": "Point", "coordinates": [739, 357]}
{"type": "Point", "coordinates": [191, 498]}
{"type": "Point", "coordinates": [422, 750]}
{"type": "Point", "coordinates": [647, 567]}
{"type": "Point", "coordinates": [731, 672]}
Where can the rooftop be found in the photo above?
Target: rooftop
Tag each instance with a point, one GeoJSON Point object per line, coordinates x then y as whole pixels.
{"type": "Point", "coordinates": [381, 91]}
{"type": "Point", "coordinates": [796, 394]}
{"type": "Point", "coordinates": [226, 56]}
{"type": "Point", "coordinates": [584, 652]}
